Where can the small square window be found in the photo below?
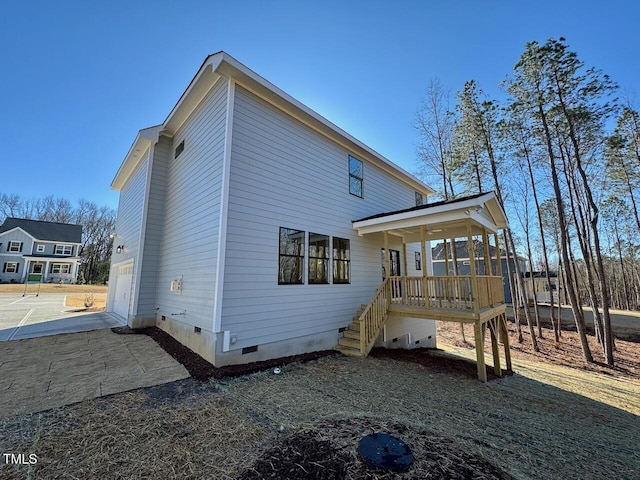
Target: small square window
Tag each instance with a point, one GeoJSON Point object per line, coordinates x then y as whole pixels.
{"type": "Point", "coordinates": [179, 149]}
{"type": "Point", "coordinates": [356, 177]}
{"type": "Point", "coordinates": [40, 249]}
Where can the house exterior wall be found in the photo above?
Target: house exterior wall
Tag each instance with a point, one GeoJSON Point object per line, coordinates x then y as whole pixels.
{"type": "Point", "coordinates": [6, 256]}
{"type": "Point", "coordinates": [284, 174]}
{"type": "Point", "coordinates": [129, 225]}
{"type": "Point", "coordinates": [189, 241]}
{"type": "Point", "coordinates": [145, 301]}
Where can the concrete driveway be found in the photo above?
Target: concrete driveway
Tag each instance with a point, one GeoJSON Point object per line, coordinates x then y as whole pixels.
{"type": "Point", "coordinates": [36, 316]}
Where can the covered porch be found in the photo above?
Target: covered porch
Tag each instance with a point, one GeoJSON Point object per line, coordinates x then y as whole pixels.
{"type": "Point", "coordinates": [477, 298]}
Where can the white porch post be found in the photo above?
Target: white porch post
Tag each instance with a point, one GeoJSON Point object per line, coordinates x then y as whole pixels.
{"type": "Point", "coordinates": [45, 274]}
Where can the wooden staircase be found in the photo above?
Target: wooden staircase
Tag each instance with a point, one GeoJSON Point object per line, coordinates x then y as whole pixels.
{"type": "Point", "coordinates": [349, 344]}
{"type": "Point", "coordinates": [362, 332]}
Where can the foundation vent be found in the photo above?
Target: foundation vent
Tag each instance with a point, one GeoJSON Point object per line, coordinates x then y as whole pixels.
{"type": "Point", "coordinates": [252, 349]}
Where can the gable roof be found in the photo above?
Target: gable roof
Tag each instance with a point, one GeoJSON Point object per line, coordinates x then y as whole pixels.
{"type": "Point", "coordinates": [222, 64]}
{"type": "Point", "coordinates": [46, 231]}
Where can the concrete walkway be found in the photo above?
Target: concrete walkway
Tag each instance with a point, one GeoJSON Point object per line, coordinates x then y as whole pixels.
{"type": "Point", "coordinates": [46, 372]}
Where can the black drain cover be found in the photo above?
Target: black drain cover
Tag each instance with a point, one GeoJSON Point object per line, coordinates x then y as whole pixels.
{"type": "Point", "coordinates": [384, 451]}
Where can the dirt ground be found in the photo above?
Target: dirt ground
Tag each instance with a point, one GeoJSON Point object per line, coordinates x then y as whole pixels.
{"type": "Point", "coordinates": [52, 288]}
{"type": "Point", "coordinates": [306, 423]}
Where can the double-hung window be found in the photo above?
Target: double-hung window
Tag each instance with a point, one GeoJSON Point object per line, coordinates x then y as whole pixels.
{"type": "Point", "coordinates": [10, 267]}
{"type": "Point", "coordinates": [14, 246]}
{"type": "Point", "coordinates": [341, 260]}
{"type": "Point", "coordinates": [60, 268]}
{"type": "Point", "coordinates": [291, 257]}
{"type": "Point", "coordinates": [356, 177]}
{"type": "Point", "coordinates": [318, 258]}
{"type": "Point", "coordinates": [418, 261]}
{"type": "Point", "coordinates": [64, 249]}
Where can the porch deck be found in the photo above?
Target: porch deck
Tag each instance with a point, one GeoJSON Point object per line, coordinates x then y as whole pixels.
{"type": "Point", "coordinates": [478, 300]}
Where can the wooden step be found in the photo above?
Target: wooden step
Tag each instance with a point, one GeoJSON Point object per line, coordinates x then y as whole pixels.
{"type": "Point", "coordinates": [352, 334]}
{"type": "Point", "coordinates": [352, 352]}
{"type": "Point", "coordinates": [349, 342]}
{"type": "Point", "coordinates": [354, 327]}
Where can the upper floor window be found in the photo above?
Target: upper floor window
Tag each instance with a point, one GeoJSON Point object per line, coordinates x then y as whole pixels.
{"type": "Point", "coordinates": [318, 258]}
{"type": "Point", "coordinates": [64, 249]}
{"type": "Point", "coordinates": [291, 257]}
{"type": "Point", "coordinates": [14, 246]}
{"type": "Point", "coordinates": [356, 177]}
{"type": "Point", "coordinates": [40, 249]}
{"type": "Point", "coordinates": [341, 260]}
{"type": "Point", "coordinates": [420, 199]}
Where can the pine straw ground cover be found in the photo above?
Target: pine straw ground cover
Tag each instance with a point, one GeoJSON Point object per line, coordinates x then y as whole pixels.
{"type": "Point", "coordinates": [306, 422]}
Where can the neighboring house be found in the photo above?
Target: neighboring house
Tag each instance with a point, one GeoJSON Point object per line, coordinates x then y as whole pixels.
{"type": "Point", "coordinates": [39, 251]}
{"type": "Point", "coordinates": [236, 232]}
{"type": "Point", "coordinates": [464, 268]}
{"type": "Point", "coordinates": [537, 282]}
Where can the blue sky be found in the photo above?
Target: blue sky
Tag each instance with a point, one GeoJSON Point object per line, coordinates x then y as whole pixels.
{"type": "Point", "coordinates": [79, 79]}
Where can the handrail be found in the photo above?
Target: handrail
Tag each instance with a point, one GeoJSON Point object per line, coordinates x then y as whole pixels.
{"type": "Point", "coordinates": [446, 292]}
{"type": "Point", "coordinates": [373, 317]}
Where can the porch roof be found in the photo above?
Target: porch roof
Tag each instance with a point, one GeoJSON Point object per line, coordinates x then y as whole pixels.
{"type": "Point", "coordinates": [446, 219]}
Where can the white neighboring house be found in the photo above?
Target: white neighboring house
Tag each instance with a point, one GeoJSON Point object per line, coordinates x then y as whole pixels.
{"type": "Point", "coordinates": [39, 251]}
{"type": "Point", "coordinates": [235, 229]}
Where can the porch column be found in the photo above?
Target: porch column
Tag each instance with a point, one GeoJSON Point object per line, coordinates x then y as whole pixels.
{"type": "Point", "coordinates": [487, 257]}
{"type": "Point", "coordinates": [472, 264]}
{"type": "Point", "coordinates": [45, 273]}
{"type": "Point", "coordinates": [498, 254]}
{"type": "Point", "coordinates": [423, 253]}
{"type": "Point", "coordinates": [446, 257]}
{"type": "Point", "coordinates": [387, 269]}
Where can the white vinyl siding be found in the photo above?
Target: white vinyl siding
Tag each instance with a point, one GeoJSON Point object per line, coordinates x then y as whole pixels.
{"type": "Point", "coordinates": [189, 243]}
{"type": "Point", "coordinates": [284, 174]}
{"type": "Point", "coordinates": [146, 295]}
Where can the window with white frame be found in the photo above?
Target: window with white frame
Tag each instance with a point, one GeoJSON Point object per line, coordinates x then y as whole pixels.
{"type": "Point", "coordinates": [10, 267]}
{"type": "Point", "coordinates": [318, 258]}
{"type": "Point", "coordinates": [356, 177]}
{"type": "Point", "coordinates": [341, 260]}
{"type": "Point", "coordinates": [60, 268]}
{"type": "Point", "coordinates": [420, 199]}
{"type": "Point", "coordinates": [418, 261]}
{"type": "Point", "coordinates": [40, 249]}
{"type": "Point", "coordinates": [291, 257]}
{"type": "Point", "coordinates": [64, 249]}
{"type": "Point", "coordinates": [14, 246]}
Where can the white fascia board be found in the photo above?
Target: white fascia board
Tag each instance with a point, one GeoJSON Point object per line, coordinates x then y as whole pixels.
{"type": "Point", "coordinates": [406, 220]}
{"type": "Point", "coordinates": [266, 90]}
{"type": "Point", "coordinates": [137, 152]}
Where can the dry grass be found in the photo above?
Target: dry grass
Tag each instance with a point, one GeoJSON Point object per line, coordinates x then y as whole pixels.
{"type": "Point", "coordinates": [185, 430]}
{"type": "Point", "coordinates": [530, 425]}
{"type": "Point", "coordinates": [52, 288]}
{"type": "Point", "coordinates": [95, 302]}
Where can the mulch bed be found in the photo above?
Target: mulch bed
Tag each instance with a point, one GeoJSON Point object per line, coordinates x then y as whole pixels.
{"type": "Point", "coordinates": [202, 370]}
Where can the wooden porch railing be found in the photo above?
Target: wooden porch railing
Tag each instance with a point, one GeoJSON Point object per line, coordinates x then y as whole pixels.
{"type": "Point", "coordinates": [373, 318]}
{"type": "Point", "coordinates": [448, 292]}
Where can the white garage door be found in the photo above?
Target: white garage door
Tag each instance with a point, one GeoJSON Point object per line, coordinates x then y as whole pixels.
{"type": "Point", "coordinates": [123, 290]}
